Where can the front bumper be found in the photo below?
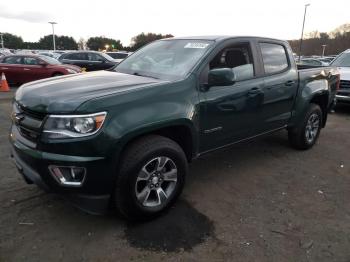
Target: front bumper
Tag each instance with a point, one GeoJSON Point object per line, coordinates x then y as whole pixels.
{"type": "Point", "coordinates": [94, 195]}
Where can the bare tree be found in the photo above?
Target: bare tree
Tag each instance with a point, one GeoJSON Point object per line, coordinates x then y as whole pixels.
{"type": "Point", "coordinates": [336, 41]}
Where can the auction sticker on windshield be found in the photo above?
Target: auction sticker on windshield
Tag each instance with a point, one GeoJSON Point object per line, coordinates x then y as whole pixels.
{"type": "Point", "coordinates": [196, 45]}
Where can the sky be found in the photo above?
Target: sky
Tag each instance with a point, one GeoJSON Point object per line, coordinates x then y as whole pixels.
{"type": "Point", "coordinates": [124, 19]}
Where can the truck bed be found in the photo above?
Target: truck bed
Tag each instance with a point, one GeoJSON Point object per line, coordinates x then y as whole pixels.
{"type": "Point", "coordinates": [316, 73]}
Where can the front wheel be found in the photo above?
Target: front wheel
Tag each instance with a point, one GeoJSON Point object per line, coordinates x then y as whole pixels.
{"type": "Point", "coordinates": [306, 134]}
{"type": "Point", "coordinates": [57, 74]}
{"type": "Point", "coordinates": [151, 177]}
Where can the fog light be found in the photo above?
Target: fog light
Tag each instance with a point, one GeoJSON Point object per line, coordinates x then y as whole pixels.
{"type": "Point", "coordinates": [68, 175]}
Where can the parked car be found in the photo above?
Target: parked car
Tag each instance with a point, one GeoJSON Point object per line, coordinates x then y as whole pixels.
{"type": "Point", "coordinates": [118, 56]}
{"type": "Point", "coordinates": [326, 59]}
{"type": "Point", "coordinates": [49, 54]}
{"type": "Point", "coordinates": [125, 136]}
{"type": "Point", "coordinates": [4, 52]}
{"type": "Point", "coordinates": [21, 69]}
{"type": "Point", "coordinates": [312, 62]}
{"type": "Point", "coordinates": [90, 60]}
{"type": "Point", "coordinates": [343, 63]}
{"type": "Point", "coordinates": [59, 52]}
{"type": "Point", "coordinates": [25, 52]}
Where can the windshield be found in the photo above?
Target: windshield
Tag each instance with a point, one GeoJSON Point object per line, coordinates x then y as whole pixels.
{"type": "Point", "coordinates": [107, 57]}
{"type": "Point", "coordinates": [50, 60]}
{"type": "Point", "coordinates": [342, 60]}
{"type": "Point", "coordinates": [166, 59]}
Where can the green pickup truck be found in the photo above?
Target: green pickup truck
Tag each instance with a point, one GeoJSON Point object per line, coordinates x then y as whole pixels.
{"type": "Point", "coordinates": [124, 137]}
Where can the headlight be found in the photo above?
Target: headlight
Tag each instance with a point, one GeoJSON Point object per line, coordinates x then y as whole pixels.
{"type": "Point", "coordinates": [70, 126]}
{"type": "Point", "coordinates": [71, 71]}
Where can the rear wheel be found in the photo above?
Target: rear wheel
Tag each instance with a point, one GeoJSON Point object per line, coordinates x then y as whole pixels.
{"type": "Point", "coordinates": [306, 134]}
{"type": "Point", "coordinates": [151, 177]}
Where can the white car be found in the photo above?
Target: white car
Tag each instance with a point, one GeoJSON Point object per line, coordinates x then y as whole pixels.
{"type": "Point", "coordinates": [312, 62]}
{"type": "Point", "coordinates": [342, 62]}
{"type": "Point", "coordinates": [4, 52]}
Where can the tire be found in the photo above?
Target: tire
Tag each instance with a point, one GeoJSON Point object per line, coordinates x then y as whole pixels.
{"type": "Point", "coordinates": [57, 74]}
{"type": "Point", "coordinates": [141, 191]}
{"type": "Point", "coordinates": [305, 136]}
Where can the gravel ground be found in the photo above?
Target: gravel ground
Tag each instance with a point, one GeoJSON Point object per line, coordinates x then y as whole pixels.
{"type": "Point", "coordinates": [257, 201]}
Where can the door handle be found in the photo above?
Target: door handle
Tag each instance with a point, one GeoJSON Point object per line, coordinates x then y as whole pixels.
{"type": "Point", "coordinates": [289, 83]}
{"type": "Point", "coordinates": [227, 106]}
{"type": "Point", "coordinates": [254, 91]}
{"type": "Point", "coordinates": [4, 68]}
{"type": "Point", "coordinates": [26, 69]}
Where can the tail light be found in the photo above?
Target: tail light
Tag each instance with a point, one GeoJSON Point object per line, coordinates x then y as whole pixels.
{"type": "Point", "coordinates": [338, 81]}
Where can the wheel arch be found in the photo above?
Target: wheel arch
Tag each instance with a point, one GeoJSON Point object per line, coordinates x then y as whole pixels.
{"type": "Point", "coordinates": [321, 99]}
{"type": "Point", "coordinates": [182, 132]}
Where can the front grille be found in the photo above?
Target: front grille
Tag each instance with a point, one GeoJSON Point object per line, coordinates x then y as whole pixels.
{"type": "Point", "coordinates": [344, 84]}
{"type": "Point", "coordinates": [343, 94]}
{"type": "Point", "coordinates": [28, 122]}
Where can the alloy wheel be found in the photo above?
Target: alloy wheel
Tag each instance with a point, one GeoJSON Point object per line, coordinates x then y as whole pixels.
{"type": "Point", "coordinates": [156, 182]}
{"type": "Point", "coordinates": [312, 127]}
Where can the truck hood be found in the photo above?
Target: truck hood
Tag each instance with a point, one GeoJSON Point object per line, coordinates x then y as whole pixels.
{"type": "Point", "coordinates": [65, 94]}
{"type": "Point", "coordinates": [344, 73]}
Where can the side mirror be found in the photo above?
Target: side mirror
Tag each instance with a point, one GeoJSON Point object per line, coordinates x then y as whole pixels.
{"type": "Point", "coordinates": [221, 77]}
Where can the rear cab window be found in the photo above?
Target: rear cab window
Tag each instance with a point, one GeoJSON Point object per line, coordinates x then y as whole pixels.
{"type": "Point", "coordinates": [274, 57]}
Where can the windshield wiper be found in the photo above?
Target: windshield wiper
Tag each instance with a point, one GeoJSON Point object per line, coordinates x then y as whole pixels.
{"type": "Point", "coordinates": [138, 74]}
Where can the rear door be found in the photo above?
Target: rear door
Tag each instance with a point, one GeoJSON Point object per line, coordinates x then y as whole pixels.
{"type": "Point", "coordinates": [280, 84]}
{"type": "Point", "coordinates": [12, 67]}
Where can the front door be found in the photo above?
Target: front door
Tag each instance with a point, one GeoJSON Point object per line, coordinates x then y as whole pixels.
{"type": "Point", "coordinates": [231, 113]}
{"type": "Point", "coordinates": [32, 70]}
{"type": "Point", "coordinates": [96, 62]}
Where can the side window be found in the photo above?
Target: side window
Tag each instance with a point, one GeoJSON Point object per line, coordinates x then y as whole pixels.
{"type": "Point", "coordinates": [317, 63]}
{"type": "Point", "coordinates": [76, 56]}
{"type": "Point", "coordinates": [30, 61]}
{"type": "Point", "coordinates": [13, 60]}
{"type": "Point", "coordinates": [95, 57]}
{"type": "Point", "coordinates": [236, 57]}
{"type": "Point", "coordinates": [274, 58]}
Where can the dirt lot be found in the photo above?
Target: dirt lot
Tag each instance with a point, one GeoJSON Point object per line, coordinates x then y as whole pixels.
{"type": "Point", "coordinates": [257, 201]}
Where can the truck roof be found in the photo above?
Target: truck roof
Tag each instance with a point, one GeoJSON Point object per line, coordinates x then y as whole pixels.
{"type": "Point", "coordinates": [223, 37]}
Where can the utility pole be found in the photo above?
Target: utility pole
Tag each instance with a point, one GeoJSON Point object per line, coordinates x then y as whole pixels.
{"type": "Point", "coordinates": [2, 40]}
{"type": "Point", "coordinates": [53, 35]}
{"type": "Point", "coordinates": [323, 49]}
{"type": "Point", "coordinates": [302, 32]}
